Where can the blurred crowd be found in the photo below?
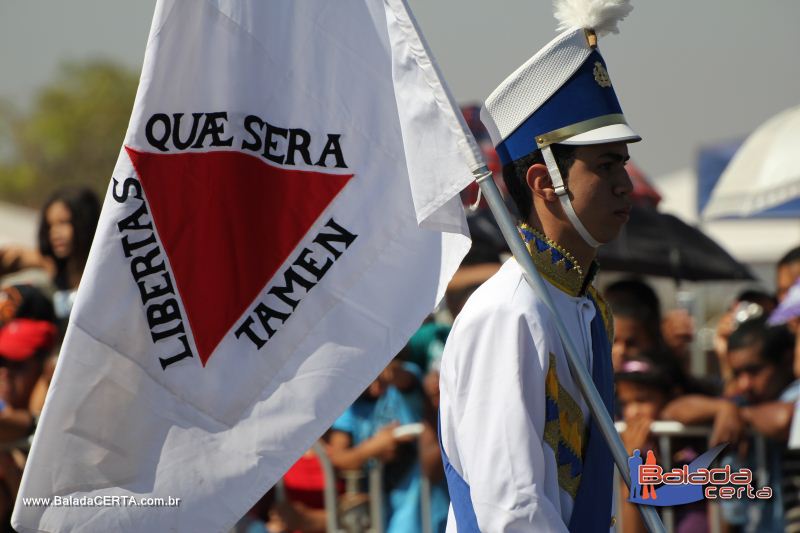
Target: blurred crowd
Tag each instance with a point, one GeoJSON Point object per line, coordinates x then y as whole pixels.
{"type": "Point", "coordinates": [384, 450]}
{"type": "Point", "coordinates": [36, 296]}
{"type": "Point", "coordinates": [747, 394]}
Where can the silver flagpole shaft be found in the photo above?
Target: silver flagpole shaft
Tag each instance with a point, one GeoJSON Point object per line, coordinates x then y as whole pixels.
{"type": "Point", "coordinates": [489, 189]}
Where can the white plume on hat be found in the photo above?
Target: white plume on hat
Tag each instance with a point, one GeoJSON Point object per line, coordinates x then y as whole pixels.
{"type": "Point", "coordinates": [600, 15]}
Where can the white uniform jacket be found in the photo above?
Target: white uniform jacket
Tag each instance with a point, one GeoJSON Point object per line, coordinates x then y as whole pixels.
{"type": "Point", "coordinates": [503, 363]}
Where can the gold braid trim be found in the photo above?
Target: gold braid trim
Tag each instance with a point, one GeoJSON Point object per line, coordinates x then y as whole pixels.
{"type": "Point", "coordinates": [568, 429]}
{"type": "Point", "coordinates": [605, 312]}
{"type": "Point", "coordinates": [570, 281]}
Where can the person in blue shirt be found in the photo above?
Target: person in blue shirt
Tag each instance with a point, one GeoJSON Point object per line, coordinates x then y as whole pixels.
{"type": "Point", "coordinates": [365, 433]}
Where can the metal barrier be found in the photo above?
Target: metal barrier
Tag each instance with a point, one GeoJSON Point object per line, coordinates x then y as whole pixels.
{"type": "Point", "coordinates": [330, 496]}
{"type": "Point", "coordinates": [665, 431]}
{"type": "Point", "coordinates": [376, 497]}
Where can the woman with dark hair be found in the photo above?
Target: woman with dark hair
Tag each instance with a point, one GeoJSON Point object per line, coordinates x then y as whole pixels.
{"type": "Point", "coordinates": [66, 229]}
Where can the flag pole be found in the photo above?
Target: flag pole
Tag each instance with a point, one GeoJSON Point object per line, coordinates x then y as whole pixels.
{"type": "Point", "coordinates": [483, 177]}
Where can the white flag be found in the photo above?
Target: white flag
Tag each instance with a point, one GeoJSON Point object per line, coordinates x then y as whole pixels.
{"type": "Point", "coordinates": [282, 216]}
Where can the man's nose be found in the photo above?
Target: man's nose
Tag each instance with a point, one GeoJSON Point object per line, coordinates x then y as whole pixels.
{"type": "Point", "coordinates": [624, 185]}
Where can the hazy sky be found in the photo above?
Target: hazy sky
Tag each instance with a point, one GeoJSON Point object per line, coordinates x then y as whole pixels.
{"type": "Point", "coordinates": [687, 73]}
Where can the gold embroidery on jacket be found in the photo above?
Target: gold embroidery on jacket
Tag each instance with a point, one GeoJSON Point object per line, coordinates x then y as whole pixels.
{"type": "Point", "coordinates": [564, 431]}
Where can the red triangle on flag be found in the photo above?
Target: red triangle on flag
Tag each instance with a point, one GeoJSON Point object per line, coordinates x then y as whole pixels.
{"type": "Point", "coordinates": [227, 221]}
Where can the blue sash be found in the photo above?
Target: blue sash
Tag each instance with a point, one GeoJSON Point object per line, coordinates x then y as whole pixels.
{"type": "Point", "coordinates": [466, 521]}
{"type": "Point", "coordinates": [592, 508]}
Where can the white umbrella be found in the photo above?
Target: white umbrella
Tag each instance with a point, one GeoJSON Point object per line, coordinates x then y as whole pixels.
{"type": "Point", "coordinates": [764, 173]}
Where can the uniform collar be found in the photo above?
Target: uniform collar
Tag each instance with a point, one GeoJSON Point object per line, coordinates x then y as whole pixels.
{"type": "Point", "coordinates": [556, 264]}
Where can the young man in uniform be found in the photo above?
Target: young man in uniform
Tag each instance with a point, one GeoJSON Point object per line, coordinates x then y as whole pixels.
{"type": "Point", "coordinates": [520, 449]}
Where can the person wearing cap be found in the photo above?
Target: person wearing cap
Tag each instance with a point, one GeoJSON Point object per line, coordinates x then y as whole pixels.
{"type": "Point", "coordinates": [24, 345]}
{"type": "Point", "coordinates": [520, 448]}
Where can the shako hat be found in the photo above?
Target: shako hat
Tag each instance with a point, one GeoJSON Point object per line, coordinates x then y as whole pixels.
{"type": "Point", "coordinates": [563, 94]}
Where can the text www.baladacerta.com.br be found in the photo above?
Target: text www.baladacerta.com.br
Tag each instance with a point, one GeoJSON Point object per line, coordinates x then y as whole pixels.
{"type": "Point", "coordinates": [102, 501]}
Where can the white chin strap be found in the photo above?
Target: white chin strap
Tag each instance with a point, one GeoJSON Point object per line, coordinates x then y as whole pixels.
{"type": "Point", "coordinates": [563, 197]}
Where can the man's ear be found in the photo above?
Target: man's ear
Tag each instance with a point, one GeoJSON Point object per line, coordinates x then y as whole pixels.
{"type": "Point", "coordinates": [539, 183]}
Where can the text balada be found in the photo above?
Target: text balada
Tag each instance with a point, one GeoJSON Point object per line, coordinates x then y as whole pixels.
{"type": "Point", "coordinates": [723, 483]}
{"type": "Point", "coordinates": [281, 145]}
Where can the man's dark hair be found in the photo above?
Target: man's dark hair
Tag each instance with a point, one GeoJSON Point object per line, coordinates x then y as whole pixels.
{"type": "Point", "coordinates": [514, 175]}
{"type": "Point", "coordinates": [633, 298]}
{"type": "Point", "coordinates": [756, 296]}
{"type": "Point", "coordinates": [792, 256]}
{"type": "Point", "coordinates": [648, 317]}
{"type": "Point", "coordinates": [767, 301]}
{"type": "Point", "coordinates": [777, 343]}
{"type": "Point", "coordinates": [636, 290]}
